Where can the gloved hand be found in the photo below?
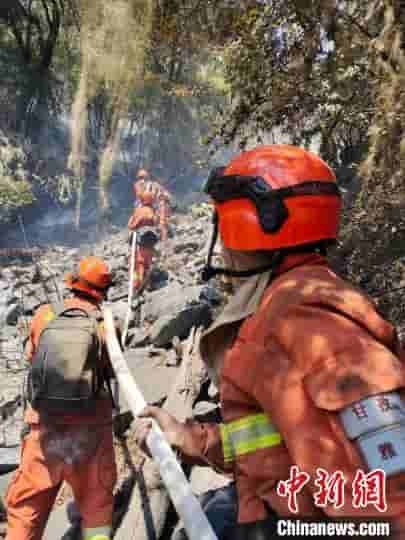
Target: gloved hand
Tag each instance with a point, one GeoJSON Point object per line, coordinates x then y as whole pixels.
{"type": "Point", "coordinates": [173, 430]}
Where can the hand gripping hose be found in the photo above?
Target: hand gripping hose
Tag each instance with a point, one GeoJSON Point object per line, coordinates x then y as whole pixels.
{"type": "Point", "coordinates": [130, 290]}
{"type": "Point", "coordinates": [195, 521]}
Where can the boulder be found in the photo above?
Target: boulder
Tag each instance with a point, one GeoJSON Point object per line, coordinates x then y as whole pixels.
{"type": "Point", "coordinates": [158, 279]}
{"type": "Point", "coordinates": [137, 337]}
{"type": "Point", "coordinates": [60, 526]}
{"type": "Point", "coordinates": [211, 295]}
{"type": "Point", "coordinates": [31, 303]}
{"type": "Point", "coordinates": [180, 323]}
{"type": "Point", "coordinates": [190, 246]}
{"type": "Point", "coordinates": [152, 376]}
{"type": "Point", "coordinates": [9, 459]}
{"type": "Point", "coordinates": [12, 313]}
{"type": "Point", "coordinates": [171, 300]}
{"type": "Point", "coordinates": [5, 479]}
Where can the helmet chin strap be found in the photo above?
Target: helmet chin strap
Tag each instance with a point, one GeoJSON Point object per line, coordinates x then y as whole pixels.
{"type": "Point", "coordinates": [209, 271]}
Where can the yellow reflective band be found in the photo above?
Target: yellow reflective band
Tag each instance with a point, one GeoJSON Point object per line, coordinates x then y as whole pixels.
{"type": "Point", "coordinates": [247, 435]}
{"type": "Point", "coordinates": [226, 444]}
{"type": "Point", "coordinates": [49, 316]}
{"type": "Point", "coordinates": [97, 533]}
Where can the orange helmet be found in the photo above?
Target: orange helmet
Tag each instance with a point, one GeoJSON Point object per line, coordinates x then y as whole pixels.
{"type": "Point", "coordinates": [92, 278]}
{"type": "Point", "coordinates": [277, 198]}
{"type": "Point", "coordinates": [274, 197]}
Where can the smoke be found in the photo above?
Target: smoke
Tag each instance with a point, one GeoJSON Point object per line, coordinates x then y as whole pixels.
{"type": "Point", "coordinates": [78, 139]}
{"type": "Point", "coordinates": [113, 39]}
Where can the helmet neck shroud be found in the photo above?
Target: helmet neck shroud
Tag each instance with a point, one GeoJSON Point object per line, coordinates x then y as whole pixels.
{"type": "Point", "coordinates": [276, 257]}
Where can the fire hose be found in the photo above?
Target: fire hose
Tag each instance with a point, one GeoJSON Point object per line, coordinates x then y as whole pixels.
{"type": "Point", "coordinates": [195, 521]}
{"type": "Point", "coordinates": [130, 290]}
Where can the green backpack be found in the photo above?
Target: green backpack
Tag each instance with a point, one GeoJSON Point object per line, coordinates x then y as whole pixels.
{"type": "Point", "coordinates": [66, 374]}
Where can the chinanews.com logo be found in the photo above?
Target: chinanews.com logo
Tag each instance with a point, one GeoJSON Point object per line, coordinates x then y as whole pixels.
{"type": "Point", "coordinates": [289, 527]}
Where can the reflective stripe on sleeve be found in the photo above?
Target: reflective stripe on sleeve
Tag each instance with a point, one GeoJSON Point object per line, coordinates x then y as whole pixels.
{"type": "Point", "coordinates": [247, 435]}
{"type": "Point", "coordinates": [97, 533]}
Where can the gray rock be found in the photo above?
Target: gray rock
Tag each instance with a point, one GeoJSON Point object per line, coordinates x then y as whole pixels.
{"type": "Point", "coordinates": [180, 323]}
{"type": "Point", "coordinates": [153, 378]}
{"type": "Point", "coordinates": [137, 337]}
{"type": "Point", "coordinates": [118, 264]}
{"type": "Point", "coordinates": [8, 294]}
{"type": "Point", "coordinates": [172, 359]}
{"type": "Point", "coordinates": [12, 313]}
{"type": "Point", "coordinates": [118, 292]}
{"type": "Point", "coordinates": [119, 310]}
{"type": "Point", "coordinates": [9, 459]}
{"type": "Point", "coordinates": [31, 303]}
{"type": "Point", "coordinates": [169, 301]}
{"type": "Point", "coordinates": [5, 479]}
{"type": "Point", "coordinates": [8, 333]}
{"type": "Point", "coordinates": [59, 526]}
{"type": "Point", "coordinates": [211, 295]}
{"type": "Point", "coordinates": [191, 247]}
{"type": "Point", "coordinates": [158, 279]}
{"type": "Point", "coordinates": [21, 282]}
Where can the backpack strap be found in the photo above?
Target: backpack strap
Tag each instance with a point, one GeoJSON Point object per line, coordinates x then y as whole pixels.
{"type": "Point", "coordinates": [98, 317]}
{"type": "Point", "coordinates": [58, 308]}
{"type": "Point", "coordinates": [108, 384]}
{"type": "Point", "coordinates": [61, 309]}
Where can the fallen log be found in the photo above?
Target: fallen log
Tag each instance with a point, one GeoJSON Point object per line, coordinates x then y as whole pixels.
{"type": "Point", "coordinates": [186, 504]}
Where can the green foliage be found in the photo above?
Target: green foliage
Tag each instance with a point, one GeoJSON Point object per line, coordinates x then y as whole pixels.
{"type": "Point", "coordinates": [29, 32]}
{"type": "Point", "coordinates": [15, 189]}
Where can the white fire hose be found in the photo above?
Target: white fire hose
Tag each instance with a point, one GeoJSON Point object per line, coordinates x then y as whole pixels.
{"type": "Point", "coordinates": [130, 289]}
{"type": "Point", "coordinates": [195, 521]}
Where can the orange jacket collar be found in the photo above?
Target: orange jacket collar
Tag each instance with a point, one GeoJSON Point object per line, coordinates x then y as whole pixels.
{"type": "Point", "coordinates": [299, 259]}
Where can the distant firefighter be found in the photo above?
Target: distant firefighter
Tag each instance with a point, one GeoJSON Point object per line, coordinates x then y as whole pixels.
{"type": "Point", "coordinates": [151, 211]}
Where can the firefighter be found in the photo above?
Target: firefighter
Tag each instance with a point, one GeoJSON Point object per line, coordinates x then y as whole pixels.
{"type": "Point", "coordinates": [309, 373]}
{"type": "Point", "coordinates": [75, 445]}
{"type": "Point", "coordinates": [151, 211]}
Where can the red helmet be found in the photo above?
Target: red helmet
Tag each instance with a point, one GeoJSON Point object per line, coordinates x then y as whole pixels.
{"type": "Point", "coordinates": [274, 197]}
{"type": "Point", "coordinates": [92, 278]}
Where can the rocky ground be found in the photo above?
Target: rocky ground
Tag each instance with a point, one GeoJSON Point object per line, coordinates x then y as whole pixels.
{"type": "Point", "coordinates": [175, 303]}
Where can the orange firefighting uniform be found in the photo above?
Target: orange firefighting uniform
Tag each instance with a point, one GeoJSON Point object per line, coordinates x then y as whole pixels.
{"type": "Point", "coordinates": [42, 470]}
{"type": "Point", "coordinates": [314, 346]}
{"type": "Point", "coordinates": [153, 210]}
